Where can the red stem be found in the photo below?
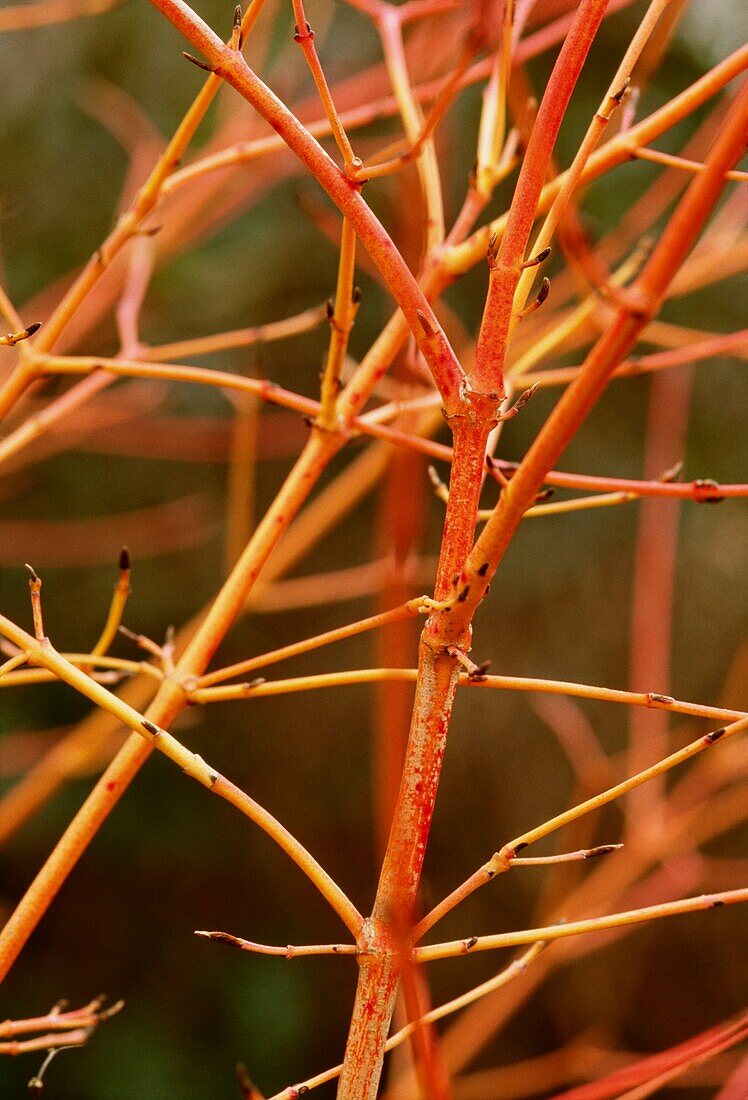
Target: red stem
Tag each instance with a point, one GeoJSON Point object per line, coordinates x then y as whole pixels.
{"type": "Point", "coordinates": [642, 299]}
{"type": "Point", "coordinates": [488, 373]}
{"type": "Point", "coordinates": [345, 193]}
{"type": "Point", "coordinates": [386, 934]}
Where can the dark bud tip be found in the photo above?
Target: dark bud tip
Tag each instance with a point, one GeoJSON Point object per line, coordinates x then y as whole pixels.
{"type": "Point", "coordinates": [545, 289]}
{"type": "Point", "coordinates": [464, 594]}
{"type": "Point", "coordinates": [356, 295]}
{"type": "Point", "coordinates": [329, 309]}
{"type": "Point", "coordinates": [712, 490]}
{"type": "Point", "coordinates": [301, 36]}
{"type": "Point", "coordinates": [33, 327]}
{"type": "Point", "coordinates": [150, 727]}
{"type": "Point", "coordinates": [221, 937]}
{"type": "Point", "coordinates": [124, 559]}
{"type": "Point", "coordinates": [489, 462]}
{"type": "Point", "coordinates": [478, 674]}
{"type": "Point", "coordinates": [602, 850]}
{"type": "Point", "coordinates": [238, 16]}
{"type": "Point", "coordinates": [715, 735]}
{"type": "Point", "coordinates": [196, 61]}
{"type": "Point", "coordinates": [32, 573]}
{"type": "Point", "coordinates": [483, 569]}
{"type": "Point", "coordinates": [538, 258]}
{"type": "Point", "coordinates": [519, 847]}
{"type": "Point", "coordinates": [716, 904]}
{"type": "Point", "coordinates": [525, 397]}
{"type": "Point", "coordinates": [424, 323]}
{"type": "Point", "coordinates": [470, 943]}
{"type": "Point", "coordinates": [618, 96]}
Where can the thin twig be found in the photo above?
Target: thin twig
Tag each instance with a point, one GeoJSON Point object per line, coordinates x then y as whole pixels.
{"type": "Point", "coordinates": [456, 948]}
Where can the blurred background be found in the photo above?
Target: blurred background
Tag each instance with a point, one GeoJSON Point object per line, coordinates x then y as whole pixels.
{"type": "Point", "coordinates": [87, 106]}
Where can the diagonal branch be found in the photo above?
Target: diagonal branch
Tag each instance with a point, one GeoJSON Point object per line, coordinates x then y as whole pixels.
{"type": "Point", "coordinates": [456, 948]}
{"type": "Point", "coordinates": [39, 651]}
{"type": "Point", "coordinates": [232, 67]}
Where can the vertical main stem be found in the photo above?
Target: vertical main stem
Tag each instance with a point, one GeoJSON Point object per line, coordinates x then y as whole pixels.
{"type": "Point", "coordinates": [385, 937]}
{"type": "Point", "coordinates": [471, 414]}
{"type": "Point", "coordinates": [384, 940]}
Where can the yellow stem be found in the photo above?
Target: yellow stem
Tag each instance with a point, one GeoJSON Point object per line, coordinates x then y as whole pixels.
{"type": "Point", "coordinates": [513, 970]}
{"type": "Point", "coordinates": [41, 652]}
{"type": "Point", "coordinates": [456, 948]}
{"type": "Point", "coordinates": [341, 320]}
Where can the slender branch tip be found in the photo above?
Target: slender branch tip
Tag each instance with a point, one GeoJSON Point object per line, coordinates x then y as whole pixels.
{"type": "Point", "coordinates": [537, 259]}
{"type": "Point", "coordinates": [196, 61]}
